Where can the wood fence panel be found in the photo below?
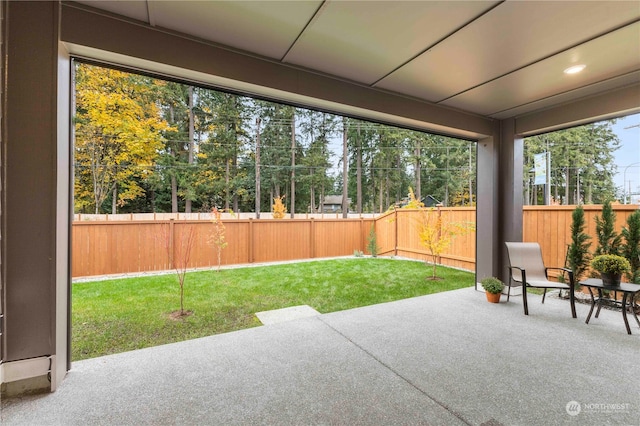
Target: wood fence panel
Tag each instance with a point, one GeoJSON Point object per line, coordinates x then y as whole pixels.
{"type": "Point", "coordinates": [283, 239]}
{"type": "Point", "coordinates": [408, 242]}
{"type": "Point", "coordinates": [237, 238]}
{"type": "Point", "coordinates": [338, 237]}
{"type": "Point", "coordinates": [385, 228]}
{"type": "Point", "coordinates": [116, 247]}
{"type": "Point", "coordinates": [460, 254]}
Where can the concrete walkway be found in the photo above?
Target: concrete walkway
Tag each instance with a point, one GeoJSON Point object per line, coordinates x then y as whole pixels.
{"type": "Point", "coordinates": [444, 359]}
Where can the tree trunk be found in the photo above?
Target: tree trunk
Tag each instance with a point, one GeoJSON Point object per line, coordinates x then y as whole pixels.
{"type": "Point", "coordinates": [258, 168]}
{"type": "Point", "coordinates": [187, 203]}
{"type": "Point", "coordinates": [114, 199]}
{"type": "Point", "coordinates": [152, 196]}
{"type": "Point", "coordinates": [293, 164]}
{"type": "Point", "coordinates": [345, 170]}
{"type": "Point", "coordinates": [359, 172]}
{"type": "Point", "coordinates": [387, 184]}
{"type": "Point", "coordinates": [234, 161]}
{"type": "Point", "coordinates": [446, 182]}
{"type": "Point", "coordinates": [399, 187]}
{"type": "Point", "coordinates": [418, 192]}
{"type": "Point", "coordinates": [566, 187]}
{"type": "Point", "coordinates": [312, 195]}
{"type": "Point", "coordinates": [470, 175]}
{"type": "Point", "coordinates": [174, 181]}
{"type": "Point", "coordinates": [174, 194]}
{"type": "Point", "coordinates": [576, 199]}
{"type": "Point", "coordinates": [226, 186]}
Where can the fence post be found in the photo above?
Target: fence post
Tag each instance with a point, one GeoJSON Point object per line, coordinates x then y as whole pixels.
{"type": "Point", "coordinates": [439, 260]}
{"type": "Point", "coordinates": [395, 238]}
{"type": "Point", "coordinates": [250, 248]}
{"type": "Point", "coordinates": [312, 238]}
{"type": "Point", "coordinates": [172, 249]}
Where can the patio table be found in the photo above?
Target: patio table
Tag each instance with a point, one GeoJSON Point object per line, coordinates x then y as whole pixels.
{"type": "Point", "coordinates": [628, 293]}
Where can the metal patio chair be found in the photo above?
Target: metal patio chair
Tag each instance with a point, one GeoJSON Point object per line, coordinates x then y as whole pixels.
{"type": "Point", "coordinates": [526, 267]}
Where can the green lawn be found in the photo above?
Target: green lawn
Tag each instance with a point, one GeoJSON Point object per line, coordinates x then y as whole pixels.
{"type": "Point", "coordinates": [124, 314]}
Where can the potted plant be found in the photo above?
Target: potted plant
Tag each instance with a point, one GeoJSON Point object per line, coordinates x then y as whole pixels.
{"type": "Point", "coordinates": [493, 287]}
{"type": "Point", "coordinates": [611, 268]}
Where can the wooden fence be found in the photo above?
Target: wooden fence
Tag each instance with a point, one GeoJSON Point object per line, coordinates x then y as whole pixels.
{"type": "Point", "coordinates": [119, 247]}
{"type": "Point", "coordinates": [551, 227]}
{"type": "Point", "coordinates": [396, 235]}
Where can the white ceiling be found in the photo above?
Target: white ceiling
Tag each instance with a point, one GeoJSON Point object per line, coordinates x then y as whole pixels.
{"type": "Point", "coordinates": [492, 58]}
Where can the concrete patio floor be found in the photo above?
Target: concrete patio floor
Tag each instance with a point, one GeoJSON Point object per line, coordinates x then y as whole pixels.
{"type": "Point", "coordinates": [443, 359]}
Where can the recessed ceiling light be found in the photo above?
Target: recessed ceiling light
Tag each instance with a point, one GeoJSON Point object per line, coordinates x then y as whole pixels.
{"type": "Point", "coordinates": [575, 69]}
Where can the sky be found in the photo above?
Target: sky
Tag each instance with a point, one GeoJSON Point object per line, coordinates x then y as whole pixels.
{"type": "Point", "coordinates": [628, 156]}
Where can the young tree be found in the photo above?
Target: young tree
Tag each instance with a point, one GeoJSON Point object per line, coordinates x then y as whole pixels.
{"type": "Point", "coordinates": [631, 246]}
{"type": "Point", "coordinates": [278, 208]}
{"type": "Point", "coordinates": [218, 234]}
{"type": "Point", "coordinates": [609, 240]}
{"type": "Point", "coordinates": [178, 246]}
{"type": "Point", "coordinates": [436, 233]}
{"type": "Point", "coordinates": [578, 255]}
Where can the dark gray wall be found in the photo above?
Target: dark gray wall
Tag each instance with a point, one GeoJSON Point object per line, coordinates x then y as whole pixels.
{"type": "Point", "coordinates": [29, 180]}
{"type": "Point", "coordinates": [510, 188]}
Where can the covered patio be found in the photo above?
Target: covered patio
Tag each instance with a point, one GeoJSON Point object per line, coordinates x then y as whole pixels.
{"type": "Point", "coordinates": [486, 71]}
{"type": "Point", "coordinates": [448, 358]}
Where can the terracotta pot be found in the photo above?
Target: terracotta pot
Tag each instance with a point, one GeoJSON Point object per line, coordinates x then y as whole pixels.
{"type": "Point", "coordinates": [493, 297]}
{"type": "Point", "coordinates": [610, 280]}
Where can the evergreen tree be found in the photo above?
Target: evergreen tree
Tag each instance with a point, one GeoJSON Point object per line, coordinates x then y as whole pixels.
{"type": "Point", "coordinates": [631, 246]}
{"type": "Point", "coordinates": [578, 255]}
{"type": "Point", "coordinates": [582, 164]}
{"type": "Point", "coordinates": [609, 240]}
{"type": "Point", "coordinates": [317, 128]}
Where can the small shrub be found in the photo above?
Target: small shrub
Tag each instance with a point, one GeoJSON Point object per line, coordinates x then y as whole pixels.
{"type": "Point", "coordinates": [492, 285]}
{"type": "Point", "coordinates": [372, 245]}
{"type": "Point", "coordinates": [610, 264]}
{"type": "Point", "coordinates": [358, 253]}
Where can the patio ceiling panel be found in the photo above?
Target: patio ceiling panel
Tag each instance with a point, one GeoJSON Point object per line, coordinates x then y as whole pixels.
{"type": "Point", "coordinates": [602, 87]}
{"type": "Point", "coordinates": [265, 28]}
{"type": "Point", "coordinates": [509, 37]}
{"type": "Point", "coordinates": [546, 78]}
{"type": "Point", "coordinates": [131, 9]}
{"type": "Point", "coordinates": [366, 43]}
